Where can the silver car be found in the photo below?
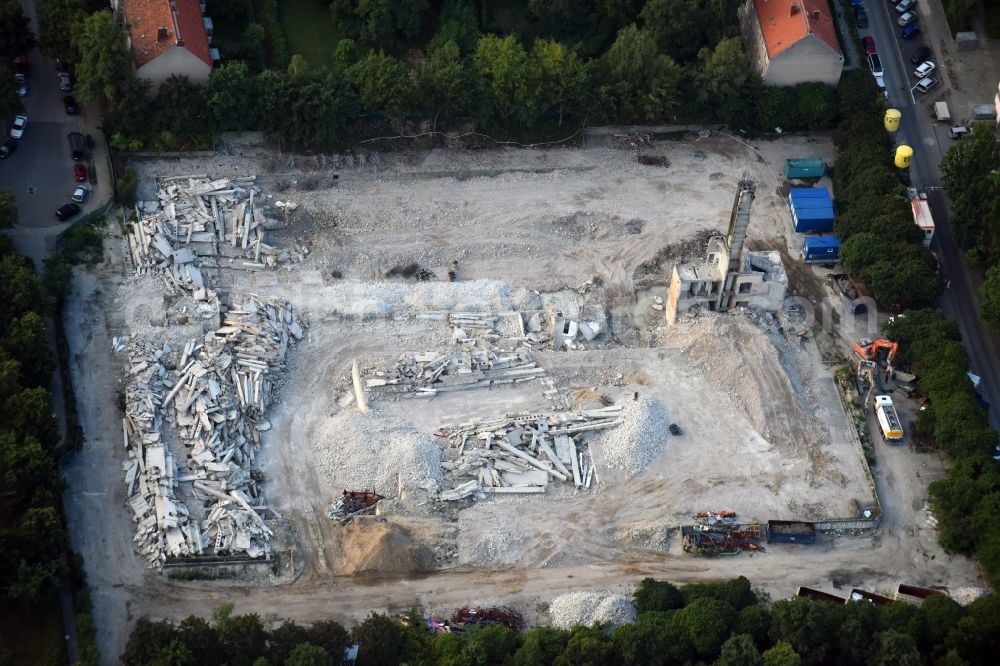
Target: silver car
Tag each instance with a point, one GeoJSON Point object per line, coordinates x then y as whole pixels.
{"type": "Point", "coordinates": [65, 84]}
{"type": "Point", "coordinates": [80, 194]}
{"type": "Point", "coordinates": [17, 129]}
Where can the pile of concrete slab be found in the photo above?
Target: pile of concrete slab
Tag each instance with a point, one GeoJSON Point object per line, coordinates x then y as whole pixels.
{"type": "Point", "coordinates": [209, 400]}
{"type": "Point", "coordinates": [544, 330]}
{"type": "Point", "coordinates": [196, 217]}
{"type": "Point", "coordinates": [522, 452]}
{"type": "Point", "coordinates": [482, 356]}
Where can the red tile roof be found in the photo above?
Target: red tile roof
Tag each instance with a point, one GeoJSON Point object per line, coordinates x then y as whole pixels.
{"type": "Point", "coordinates": [786, 22]}
{"type": "Point", "coordinates": [146, 17]}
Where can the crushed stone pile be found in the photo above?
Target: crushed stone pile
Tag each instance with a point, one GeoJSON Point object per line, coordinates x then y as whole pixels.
{"type": "Point", "coordinates": [587, 608]}
{"type": "Point", "coordinates": [367, 452]}
{"type": "Point", "coordinates": [643, 434]}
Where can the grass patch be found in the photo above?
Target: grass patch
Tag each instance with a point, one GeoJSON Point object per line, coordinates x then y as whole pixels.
{"type": "Point", "coordinates": [309, 30]}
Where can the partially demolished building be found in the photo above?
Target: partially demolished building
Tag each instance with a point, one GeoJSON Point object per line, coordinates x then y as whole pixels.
{"type": "Point", "coordinates": [729, 277]}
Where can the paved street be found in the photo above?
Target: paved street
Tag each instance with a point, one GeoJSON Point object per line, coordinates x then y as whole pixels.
{"type": "Point", "coordinates": [930, 141]}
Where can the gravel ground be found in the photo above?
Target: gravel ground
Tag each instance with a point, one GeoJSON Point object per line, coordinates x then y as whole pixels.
{"type": "Point", "coordinates": [588, 608]}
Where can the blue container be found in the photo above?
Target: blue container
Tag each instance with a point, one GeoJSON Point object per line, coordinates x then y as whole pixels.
{"type": "Point", "coordinates": [810, 167]}
{"type": "Point", "coordinates": [809, 193]}
{"type": "Point", "coordinates": [812, 219]}
{"type": "Point", "coordinates": [821, 249]}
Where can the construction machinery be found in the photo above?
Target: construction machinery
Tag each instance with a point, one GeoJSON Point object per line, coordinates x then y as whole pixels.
{"type": "Point", "coordinates": [867, 379]}
{"type": "Point", "coordinates": [888, 420]}
{"type": "Point", "coordinates": [879, 350]}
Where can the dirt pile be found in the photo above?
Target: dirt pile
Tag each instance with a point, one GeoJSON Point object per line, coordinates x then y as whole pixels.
{"type": "Point", "coordinates": [586, 608]}
{"type": "Point", "coordinates": [640, 438]}
{"type": "Point", "coordinates": [370, 546]}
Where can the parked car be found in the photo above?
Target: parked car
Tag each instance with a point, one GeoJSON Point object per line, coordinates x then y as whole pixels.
{"type": "Point", "coordinates": [66, 211]}
{"type": "Point", "coordinates": [8, 147]}
{"type": "Point", "coordinates": [869, 44]}
{"type": "Point", "coordinates": [920, 55]}
{"type": "Point", "coordinates": [80, 194]}
{"type": "Point", "coordinates": [675, 429]}
{"type": "Point", "coordinates": [65, 84]}
{"type": "Point", "coordinates": [69, 103]}
{"type": "Point", "coordinates": [907, 18]}
{"type": "Point", "coordinates": [905, 6]}
{"type": "Point", "coordinates": [925, 84]}
{"type": "Point", "coordinates": [875, 64]}
{"type": "Point", "coordinates": [958, 131]}
{"type": "Point", "coordinates": [76, 145]}
{"type": "Point", "coordinates": [17, 129]}
{"type": "Point", "coordinates": [79, 173]}
{"type": "Point", "coordinates": [862, 19]}
{"type": "Point", "coordinates": [880, 82]}
{"type": "Point", "coordinates": [923, 69]}
{"type": "Point", "coordinates": [910, 31]}
{"type": "Point", "coordinates": [21, 64]}
{"type": "Point", "coordinates": [22, 84]}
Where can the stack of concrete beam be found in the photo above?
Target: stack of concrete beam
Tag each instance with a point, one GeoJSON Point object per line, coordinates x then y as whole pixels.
{"type": "Point", "coordinates": [481, 357]}
{"type": "Point", "coordinates": [522, 452]}
{"type": "Point", "coordinates": [212, 403]}
{"type": "Point", "coordinates": [197, 217]}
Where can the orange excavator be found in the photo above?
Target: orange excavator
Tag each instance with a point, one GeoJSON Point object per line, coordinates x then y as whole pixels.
{"type": "Point", "coordinates": [879, 350]}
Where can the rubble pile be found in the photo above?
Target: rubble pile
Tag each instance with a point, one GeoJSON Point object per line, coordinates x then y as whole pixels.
{"type": "Point", "coordinates": [196, 217]}
{"type": "Point", "coordinates": [643, 435]}
{"type": "Point", "coordinates": [212, 396]}
{"type": "Point", "coordinates": [481, 357]}
{"type": "Point", "coordinates": [588, 608]}
{"type": "Point", "coordinates": [553, 330]}
{"type": "Point", "coordinates": [520, 452]}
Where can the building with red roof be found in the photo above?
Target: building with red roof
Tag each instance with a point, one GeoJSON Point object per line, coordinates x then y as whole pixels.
{"type": "Point", "coordinates": [792, 41]}
{"type": "Point", "coordinates": [168, 37]}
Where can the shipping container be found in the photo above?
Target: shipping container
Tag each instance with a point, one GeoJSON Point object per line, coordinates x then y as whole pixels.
{"type": "Point", "coordinates": [790, 531]}
{"type": "Point", "coordinates": [821, 249]}
{"type": "Point", "coordinates": [812, 219]}
{"type": "Point", "coordinates": [819, 595]}
{"type": "Point", "coordinates": [809, 167]}
{"type": "Point", "coordinates": [808, 193]}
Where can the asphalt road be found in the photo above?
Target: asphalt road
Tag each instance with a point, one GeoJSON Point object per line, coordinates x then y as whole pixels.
{"type": "Point", "coordinates": [929, 142]}
{"type": "Point", "coordinates": [40, 172]}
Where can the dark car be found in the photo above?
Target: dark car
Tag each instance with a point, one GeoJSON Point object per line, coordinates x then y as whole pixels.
{"type": "Point", "coordinates": [8, 147]}
{"type": "Point", "coordinates": [920, 55]}
{"type": "Point", "coordinates": [69, 102]}
{"type": "Point", "coordinates": [862, 19]}
{"type": "Point", "coordinates": [79, 173]}
{"type": "Point", "coordinates": [76, 145]}
{"type": "Point", "coordinates": [910, 31]}
{"type": "Point", "coordinates": [67, 211]}
{"type": "Point", "coordinates": [675, 429]}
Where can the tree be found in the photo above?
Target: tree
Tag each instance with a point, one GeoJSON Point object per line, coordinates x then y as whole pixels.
{"type": "Point", "coordinates": [558, 72]}
{"type": "Point", "coordinates": [28, 475]}
{"type": "Point", "coordinates": [19, 290]}
{"type": "Point", "coordinates": [588, 646]}
{"type": "Point", "coordinates": [989, 298]}
{"type": "Point", "coordinates": [229, 95]}
{"type": "Point", "coordinates": [968, 169]}
{"type": "Point", "coordinates": [10, 101]}
{"type": "Point", "coordinates": [776, 108]}
{"type": "Point", "coordinates": [677, 26]}
{"type": "Point", "coordinates": [35, 547]}
{"type": "Point", "coordinates": [29, 413]}
{"type": "Point", "coordinates": [457, 24]}
{"type": "Point", "coordinates": [182, 116]}
{"type": "Point", "coordinates": [379, 640]}
{"type": "Point", "coordinates": [283, 640]}
{"type": "Point", "coordinates": [56, 21]}
{"type": "Point", "coordinates": [329, 635]}
{"type": "Point", "coordinates": [755, 621]}
{"type": "Point", "coordinates": [808, 626]}
{"type": "Point", "coordinates": [8, 209]}
{"type": "Point", "coordinates": [655, 595]}
{"type": "Point", "coordinates": [201, 640]}
{"type": "Point", "coordinates": [254, 46]}
{"type": "Point", "coordinates": [383, 84]}
{"type": "Point", "coordinates": [653, 638]}
{"type": "Point", "coordinates": [857, 94]}
{"type": "Point", "coordinates": [104, 66]}
{"type": "Point", "coordinates": [782, 654]}
{"type": "Point", "coordinates": [708, 623]}
{"type": "Point", "coordinates": [722, 72]}
{"type": "Point", "coordinates": [243, 637]}
{"type": "Point", "coordinates": [26, 341]}
{"type": "Point", "coordinates": [16, 37]}
{"type": "Point", "coordinates": [445, 84]}
{"type": "Point", "coordinates": [815, 105]}
{"type": "Point", "coordinates": [307, 654]}
{"type": "Point", "coordinates": [147, 640]}
{"type": "Point", "coordinates": [502, 65]}
{"type": "Point", "coordinates": [484, 645]}
{"type": "Point", "coordinates": [541, 645]}
{"type": "Point", "coordinates": [892, 648]}
{"type": "Point", "coordinates": [739, 650]}
{"type": "Point", "coordinates": [175, 654]}
{"type": "Point", "coordinates": [736, 592]}
{"type": "Point", "coordinates": [636, 82]}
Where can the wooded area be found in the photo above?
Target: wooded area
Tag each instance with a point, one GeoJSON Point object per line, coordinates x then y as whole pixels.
{"type": "Point", "coordinates": [725, 623]}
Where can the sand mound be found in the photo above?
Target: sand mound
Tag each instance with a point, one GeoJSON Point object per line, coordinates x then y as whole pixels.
{"type": "Point", "coordinates": [370, 546]}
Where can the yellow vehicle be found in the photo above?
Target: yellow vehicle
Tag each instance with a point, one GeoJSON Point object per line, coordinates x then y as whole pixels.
{"type": "Point", "coordinates": [888, 420]}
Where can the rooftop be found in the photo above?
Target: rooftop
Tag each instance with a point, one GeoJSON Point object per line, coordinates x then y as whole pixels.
{"type": "Point", "coordinates": [156, 26]}
{"type": "Point", "coordinates": [786, 22]}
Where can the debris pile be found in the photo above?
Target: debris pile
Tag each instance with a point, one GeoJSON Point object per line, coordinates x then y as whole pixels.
{"type": "Point", "coordinates": [482, 617]}
{"type": "Point", "coordinates": [212, 396]}
{"type": "Point", "coordinates": [354, 503]}
{"type": "Point", "coordinates": [482, 356]}
{"type": "Point", "coordinates": [586, 608]}
{"type": "Point", "coordinates": [556, 331]}
{"type": "Point", "coordinates": [643, 435]}
{"type": "Point", "coordinates": [199, 217]}
{"type": "Point", "coordinates": [718, 533]}
{"type": "Point", "coordinates": [520, 452]}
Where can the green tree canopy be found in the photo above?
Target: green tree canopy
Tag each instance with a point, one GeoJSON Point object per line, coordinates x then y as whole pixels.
{"type": "Point", "coordinates": [16, 37]}
{"type": "Point", "coordinates": [445, 84]}
{"type": "Point", "coordinates": [989, 298]}
{"type": "Point", "coordinates": [635, 81]}
{"type": "Point", "coordinates": [8, 209]}
{"type": "Point", "coordinates": [104, 66]}
{"type": "Point", "coordinates": [383, 83]}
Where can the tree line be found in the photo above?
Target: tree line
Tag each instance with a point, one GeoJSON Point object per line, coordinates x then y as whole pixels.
{"type": "Point", "coordinates": [967, 501]}
{"type": "Point", "coordinates": [724, 623]}
{"type": "Point", "coordinates": [646, 63]}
